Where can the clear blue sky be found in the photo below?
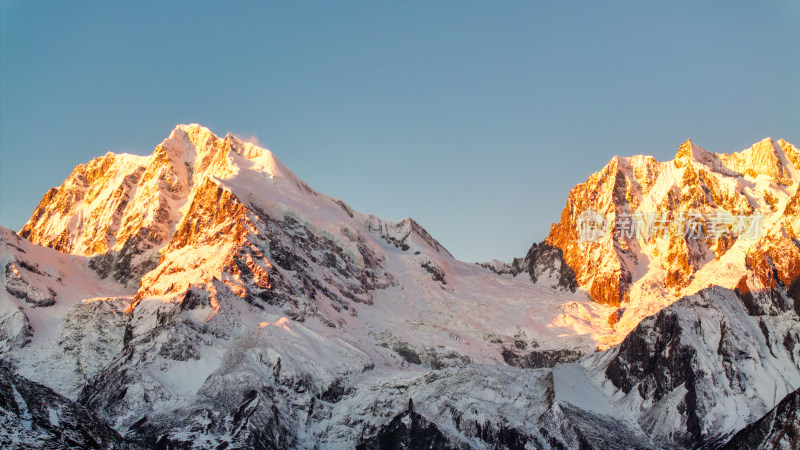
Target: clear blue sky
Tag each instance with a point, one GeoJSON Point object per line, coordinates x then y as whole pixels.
{"type": "Point", "coordinates": [474, 118]}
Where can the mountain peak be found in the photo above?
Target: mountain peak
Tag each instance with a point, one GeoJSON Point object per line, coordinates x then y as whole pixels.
{"type": "Point", "coordinates": [764, 150]}
{"type": "Point", "coordinates": [689, 151]}
{"type": "Point", "coordinates": [191, 128]}
{"type": "Point", "coordinates": [193, 133]}
{"type": "Point", "coordinates": [213, 155]}
{"type": "Point", "coordinates": [764, 158]}
{"type": "Point", "coordinates": [126, 208]}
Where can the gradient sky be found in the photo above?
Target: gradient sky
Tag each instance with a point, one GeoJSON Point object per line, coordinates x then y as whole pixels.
{"type": "Point", "coordinates": [474, 118]}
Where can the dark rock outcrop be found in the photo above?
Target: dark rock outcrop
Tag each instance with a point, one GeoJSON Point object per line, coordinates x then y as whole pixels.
{"type": "Point", "coordinates": [410, 430]}
{"type": "Point", "coordinates": [538, 359]}
{"type": "Point", "coordinates": [780, 428]}
{"type": "Point", "coordinates": [33, 416]}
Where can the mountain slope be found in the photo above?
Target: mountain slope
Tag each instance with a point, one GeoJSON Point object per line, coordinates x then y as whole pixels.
{"type": "Point", "coordinates": [686, 370]}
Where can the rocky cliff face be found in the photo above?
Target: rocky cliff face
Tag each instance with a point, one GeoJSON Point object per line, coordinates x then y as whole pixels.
{"type": "Point", "coordinates": [670, 229]}
{"type": "Point", "coordinates": [719, 350]}
{"type": "Point", "coordinates": [122, 209]}
{"type": "Point", "coordinates": [33, 416]}
{"type": "Point", "coordinates": [604, 268]}
{"type": "Point", "coordinates": [542, 261]}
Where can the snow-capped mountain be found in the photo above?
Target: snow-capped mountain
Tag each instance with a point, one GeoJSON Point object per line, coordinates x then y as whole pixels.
{"type": "Point", "coordinates": [642, 273]}
{"type": "Point", "coordinates": [205, 296]}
